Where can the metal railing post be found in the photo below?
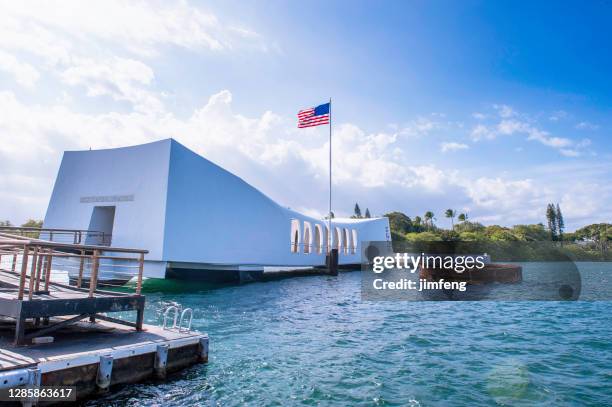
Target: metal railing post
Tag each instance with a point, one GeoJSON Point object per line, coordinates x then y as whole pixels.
{"type": "Point", "coordinates": [14, 262]}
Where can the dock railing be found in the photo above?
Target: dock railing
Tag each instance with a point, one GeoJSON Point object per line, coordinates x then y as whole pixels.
{"type": "Point", "coordinates": [73, 236]}
{"type": "Point", "coordinates": [27, 291]}
{"type": "Point", "coordinates": [34, 260]}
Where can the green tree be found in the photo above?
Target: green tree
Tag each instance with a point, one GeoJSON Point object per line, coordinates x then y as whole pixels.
{"type": "Point", "coordinates": [468, 226]}
{"type": "Point", "coordinates": [5, 223]}
{"type": "Point", "coordinates": [367, 214]}
{"type": "Point", "coordinates": [450, 213]}
{"type": "Point", "coordinates": [530, 233]}
{"type": "Point", "coordinates": [560, 222]}
{"type": "Point", "coordinates": [462, 217]}
{"type": "Point", "coordinates": [399, 222]}
{"type": "Point", "coordinates": [31, 223]}
{"type": "Point", "coordinates": [423, 237]}
{"type": "Point", "coordinates": [429, 218]}
{"type": "Point", "coordinates": [357, 211]}
{"type": "Point", "coordinates": [551, 219]}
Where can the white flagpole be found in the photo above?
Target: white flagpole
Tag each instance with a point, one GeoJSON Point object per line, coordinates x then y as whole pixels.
{"type": "Point", "coordinates": [330, 180]}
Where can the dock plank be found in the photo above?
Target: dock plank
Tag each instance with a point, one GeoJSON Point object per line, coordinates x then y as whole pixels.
{"type": "Point", "coordinates": [85, 339]}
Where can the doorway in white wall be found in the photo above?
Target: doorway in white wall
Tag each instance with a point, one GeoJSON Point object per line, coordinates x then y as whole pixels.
{"type": "Point", "coordinates": [102, 221]}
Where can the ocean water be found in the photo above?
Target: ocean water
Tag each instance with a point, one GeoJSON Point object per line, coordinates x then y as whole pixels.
{"type": "Point", "coordinates": [313, 341]}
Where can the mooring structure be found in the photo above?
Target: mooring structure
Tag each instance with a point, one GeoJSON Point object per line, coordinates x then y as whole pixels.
{"type": "Point", "coordinates": [53, 333]}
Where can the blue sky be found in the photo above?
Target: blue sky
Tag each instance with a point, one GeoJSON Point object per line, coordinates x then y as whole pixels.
{"type": "Point", "coordinates": [492, 108]}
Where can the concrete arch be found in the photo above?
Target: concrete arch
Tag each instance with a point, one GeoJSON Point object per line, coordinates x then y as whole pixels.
{"type": "Point", "coordinates": [336, 243]}
{"type": "Point", "coordinates": [345, 240]}
{"type": "Point", "coordinates": [318, 242]}
{"type": "Point", "coordinates": [295, 236]}
{"type": "Point", "coordinates": [307, 237]}
{"type": "Point", "coordinates": [354, 241]}
{"type": "Point", "coordinates": [326, 239]}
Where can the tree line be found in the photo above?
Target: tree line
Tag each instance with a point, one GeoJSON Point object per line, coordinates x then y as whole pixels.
{"type": "Point", "coordinates": [424, 228]}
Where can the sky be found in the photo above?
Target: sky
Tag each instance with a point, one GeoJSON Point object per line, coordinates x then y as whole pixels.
{"type": "Point", "coordinates": [494, 109]}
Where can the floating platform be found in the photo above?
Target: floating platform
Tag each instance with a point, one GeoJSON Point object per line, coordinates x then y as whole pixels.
{"type": "Point", "coordinates": [54, 334]}
{"type": "Point", "coordinates": [92, 357]}
{"type": "Point", "coordinates": [491, 273]}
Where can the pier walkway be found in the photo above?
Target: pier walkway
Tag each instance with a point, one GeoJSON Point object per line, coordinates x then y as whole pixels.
{"type": "Point", "coordinates": [28, 295]}
{"type": "Point", "coordinates": [89, 350]}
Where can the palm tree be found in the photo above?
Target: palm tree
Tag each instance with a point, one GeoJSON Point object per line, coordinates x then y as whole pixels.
{"type": "Point", "coordinates": [462, 217]}
{"type": "Point", "coordinates": [429, 216]}
{"type": "Point", "coordinates": [450, 213]}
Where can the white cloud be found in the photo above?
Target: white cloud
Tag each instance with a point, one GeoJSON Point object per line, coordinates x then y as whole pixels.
{"type": "Point", "coordinates": [491, 192]}
{"type": "Point", "coordinates": [86, 43]}
{"type": "Point", "coordinates": [546, 139]}
{"type": "Point", "coordinates": [568, 152]}
{"type": "Point", "coordinates": [504, 111]}
{"type": "Point", "coordinates": [422, 126]}
{"type": "Point", "coordinates": [25, 74]}
{"type": "Point", "coordinates": [263, 150]}
{"type": "Point", "coordinates": [452, 146]}
{"type": "Point", "coordinates": [587, 126]}
{"type": "Point", "coordinates": [107, 50]}
{"type": "Point", "coordinates": [479, 116]}
{"type": "Point", "coordinates": [120, 78]}
{"type": "Point", "coordinates": [558, 115]}
{"type": "Point", "coordinates": [138, 26]}
{"type": "Point", "coordinates": [509, 125]}
{"type": "Point", "coordinates": [481, 132]}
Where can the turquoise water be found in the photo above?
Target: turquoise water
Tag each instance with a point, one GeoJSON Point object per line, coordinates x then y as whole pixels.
{"type": "Point", "coordinates": [312, 341]}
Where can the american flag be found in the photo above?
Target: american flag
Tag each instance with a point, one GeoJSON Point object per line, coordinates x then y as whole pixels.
{"type": "Point", "coordinates": [314, 116]}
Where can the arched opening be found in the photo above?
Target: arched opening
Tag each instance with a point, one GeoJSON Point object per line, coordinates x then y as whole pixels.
{"type": "Point", "coordinates": [354, 242]}
{"type": "Point", "coordinates": [326, 239]}
{"type": "Point", "coordinates": [345, 240]}
{"type": "Point", "coordinates": [336, 243]}
{"type": "Point", "coordinates": [295, 236]}
{"type": "Point", "coordinates": [307, 234]}
{"type": "Point", "coordinates": [317, 244]}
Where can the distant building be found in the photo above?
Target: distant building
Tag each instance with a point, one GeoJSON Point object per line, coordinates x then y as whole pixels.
{"type": "Point", "coordinates": [195, 218]}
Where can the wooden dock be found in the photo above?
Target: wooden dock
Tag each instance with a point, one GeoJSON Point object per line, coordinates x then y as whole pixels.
{"type": "Point", "coordinates": [55, 334]}
{"type": "Point", "coordinates": [27, 292]}
{"type": "Point", "coordinates": [92, 357]}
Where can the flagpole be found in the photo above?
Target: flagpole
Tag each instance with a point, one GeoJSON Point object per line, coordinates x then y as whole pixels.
{"type": "Point", "coordinates": [329, 249]}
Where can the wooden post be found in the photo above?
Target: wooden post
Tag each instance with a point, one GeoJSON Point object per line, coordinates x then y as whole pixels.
{"type": "Point", "coordinates": [48, 269]}
{"type": "Point", "coordinates": [38, 270]}
{"type": "Point", "coordinates": [93, 278]}
{"type": "Point", "coordinates": [80, 278]}
{"type": "Point", "coordinates": [14, 262]}
{"type": "Point", "coordinates": [33, 272]}
{"type": "Point", "coordinates": [24, 271]}
{"type": "Point", "coordinates": [20, 330]}
{"type": "Point", "coordinates": [139, 317]}
{"type": "Point", "coordinates": [140, 270]}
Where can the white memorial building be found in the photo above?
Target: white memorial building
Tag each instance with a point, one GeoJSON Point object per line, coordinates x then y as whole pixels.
{"type": "Point", "coordinates": [195, 218]}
